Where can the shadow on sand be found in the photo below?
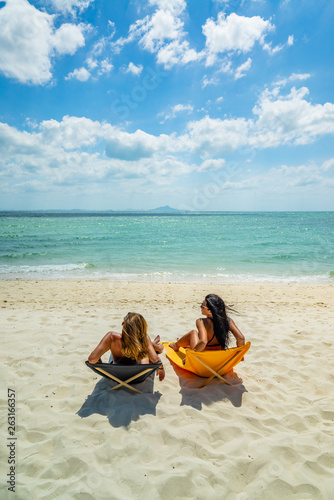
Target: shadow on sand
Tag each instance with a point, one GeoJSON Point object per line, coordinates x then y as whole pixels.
{"type": "Point", "coordinates": [193, 395]}
{"type": "Point", "coordinates": [121, 406]}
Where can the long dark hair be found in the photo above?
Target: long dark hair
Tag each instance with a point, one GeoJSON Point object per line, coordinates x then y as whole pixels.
{"type": "Point", "coordinates": [221, 325]}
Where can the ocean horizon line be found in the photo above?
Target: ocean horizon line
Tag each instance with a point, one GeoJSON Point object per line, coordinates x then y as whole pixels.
{"type": "Point", "coordinates": [174, 211]}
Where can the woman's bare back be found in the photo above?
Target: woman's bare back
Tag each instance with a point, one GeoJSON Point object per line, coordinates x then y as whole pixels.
{"type": "Point", "coordinates": [211, 340]}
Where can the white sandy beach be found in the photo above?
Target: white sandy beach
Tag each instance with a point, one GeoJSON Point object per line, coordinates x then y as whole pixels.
{"type": "Point", "coordinates": [269, 436]}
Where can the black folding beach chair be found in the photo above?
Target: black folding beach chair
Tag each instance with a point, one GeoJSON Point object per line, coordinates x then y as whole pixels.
{"type": "Point", "coordinates": [124, 374]}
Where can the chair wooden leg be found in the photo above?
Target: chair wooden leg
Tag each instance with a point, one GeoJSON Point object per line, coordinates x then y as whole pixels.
{"type": "Point", "coordinates": [139, 375]}
{"type": "Point", "coordinates": [126, 383]}
{"type": "Point", "coordinates": [120, 382]}
{"type": "Point", "coordinates": [215, 374]}
{"type": "Point", "coordinates": [208, 380]}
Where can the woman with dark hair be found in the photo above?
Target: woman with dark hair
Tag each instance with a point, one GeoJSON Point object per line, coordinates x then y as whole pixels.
{"type": "Point", "coordinates": [132, 346]}
{"type": "Point", "coordinates": [212, 331]}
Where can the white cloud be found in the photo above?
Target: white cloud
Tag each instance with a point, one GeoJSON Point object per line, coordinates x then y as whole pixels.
{"type": "Point", "coordinates": [135, 70]}
{"type": "Point", "coordinates": [69, 151]}
{"type": "Point", "coordinates": [162, 34]}
{"type": "Point", "coordinates": [292, 78]}
{"type": "Point", "coordinates": [54, 156]}
{"type": "Point", "coordinates": [328, 164]}
{"type": "Point", "coordinates": [73, 132]}
{"type": "Point", "coordinates": [273, 50]}
{"type": "Point", "coordinates": [28, 41]}
{"type": "Point", "coordinates": [105, 67]}
{"type": "Point", "coordinates": [182, 107]}
{"type": "Point", "coordinates": [288, 119]}
{"type": "Point", "coordinates": [81, 74]}
{"type": "Point", "coordinates": [70, 5]}
{"type": "Point", "coordinates": [275, 184]}
{"type": "Point", "coordinates": [98, 61]}
{"type": "Point", "coordinates": [226, 66]}
{"type": "Point", "coordinates": [162, 26]}
{"type": "Point", "coordinates": [242, 69]}
{"type": "Point", "coordinates": [290, 41]}
{"type": "Point", "coordinates": [131, 147]}
{"type": "Point", "coordinates": [68, 38]}
{"type": "Point", "coordinates": [17, 142]}
{"type": "Point", "coordinates": [112, 28]}
{"type": "Point", "coordinates": [155, 30]}
{"type": "Point", "coordinates": [278, 119]}
{"type": "Point", "coordinates": [91, 63]}
{"type": "Point", "coordinates": [214, 136]}
{"type": "Point", "coordinates": [292, 119]}
{"type": "Point", "coordinates": [212, 164]}
{"type": "Point", "coordinates": [101, 45]}
{"type": "Point", "coordinates": [177, 53]}
{"type": "Point", "coordinates": [102, 67]}
{"type": "Point", "coordinates": [178, 108]}
{"type": "Point", "coordinates": [213, 80]}
{"type": "Point", "coordinates": [233, 34]}
{"type": "Point", "coordinates": [286, 179]}
{"type": "Point", "coordinates": [176, 6]}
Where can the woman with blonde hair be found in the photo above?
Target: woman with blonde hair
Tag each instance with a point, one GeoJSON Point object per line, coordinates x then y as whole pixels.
{"type": "Point", "coordinates": [132, 346]}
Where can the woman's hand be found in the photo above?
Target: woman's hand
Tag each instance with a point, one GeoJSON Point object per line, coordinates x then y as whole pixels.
{"type": "Point", "coordinates": [161, 373]}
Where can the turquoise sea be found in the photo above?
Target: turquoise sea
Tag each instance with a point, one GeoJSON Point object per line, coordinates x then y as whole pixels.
{"type": "Point", "coordinates": [222, 247]}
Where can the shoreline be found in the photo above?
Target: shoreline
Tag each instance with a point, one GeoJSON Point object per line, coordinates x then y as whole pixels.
{"type": "Point", "coordinates": [268, 435]}
{"type": "Point", "coordinates": [199, 283]}
{"type": "Point", "coordinates": [327, 279]}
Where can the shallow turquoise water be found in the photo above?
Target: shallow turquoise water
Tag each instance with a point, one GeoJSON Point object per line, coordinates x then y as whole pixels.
{"type": "Point", "coordinates": [215, 247]}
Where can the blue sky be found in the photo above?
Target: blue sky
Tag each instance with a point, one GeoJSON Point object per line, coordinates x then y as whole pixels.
{"type": "Point", "coordinates": [201, 105]}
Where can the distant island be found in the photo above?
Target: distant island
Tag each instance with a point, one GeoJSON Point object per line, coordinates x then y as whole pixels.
{"type": "Point", "coordinates": [83, 211]}
{"type": "Point", "coordinates": [165, 208]}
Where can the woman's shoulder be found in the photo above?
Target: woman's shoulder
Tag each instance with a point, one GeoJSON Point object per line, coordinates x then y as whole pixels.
{"type": "Point", "coordinates": [114, 336]}
{"type": "Point", "coordinates": [203, 321]}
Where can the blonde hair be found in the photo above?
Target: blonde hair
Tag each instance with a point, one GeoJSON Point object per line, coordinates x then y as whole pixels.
{"type": "Point", "coordinates": [134, 337]}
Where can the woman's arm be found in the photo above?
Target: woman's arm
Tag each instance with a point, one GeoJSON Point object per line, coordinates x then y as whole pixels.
{"type": "Point", "coordinates": [154, 358]}
{"type": "Point", "coordinates": [237, 333]}
{"type": "Point", "coordinates": [202, 336]}
{"type": "Point", "coordinates": [104, 346]}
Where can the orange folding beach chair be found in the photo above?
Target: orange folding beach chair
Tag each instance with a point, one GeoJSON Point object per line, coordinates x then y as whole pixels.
{"type": "Point", "coordinates": [124, 375]}
{"type": "Point", "coordinates": [208, 364]}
